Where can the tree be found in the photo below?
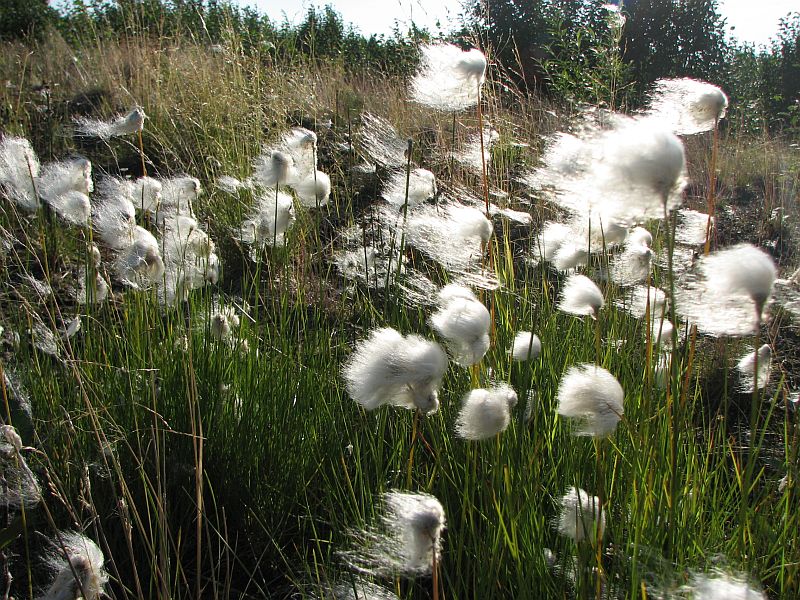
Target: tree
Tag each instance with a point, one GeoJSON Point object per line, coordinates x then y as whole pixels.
{"type": "Point", "coordinates": [23, 18]}
{"type": "Point", "coordinates": [674, 38]}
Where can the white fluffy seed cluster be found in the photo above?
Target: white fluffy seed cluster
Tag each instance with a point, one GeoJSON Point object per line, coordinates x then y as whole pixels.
{"type": "Point", "coordinates": [464, 322]}
{"type": "Point", "coordinates": [448, 78]}
{"type": "Point", "coordinates": [407, 541]}
{"type": "Point", "coordinates": [390, 368]}
{"type": "Point", "coordinates": [581, 516]}
{"type": "Point", "coordinates": [592, 396]}
{"type": "Point", "coordinates": [486, 413]}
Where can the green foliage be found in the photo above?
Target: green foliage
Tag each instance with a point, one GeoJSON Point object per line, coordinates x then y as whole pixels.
{"type": "Point", "coordinates": [22, 18]}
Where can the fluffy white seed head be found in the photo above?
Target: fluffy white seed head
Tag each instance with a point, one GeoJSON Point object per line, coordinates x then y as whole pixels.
{"type": "Point", "coordinates": [638, 298]}
{"type": "Point", "coordinates": [274, 168]}
{"type": "Point", "coordinates": [729, 291]}
{"type": "Point", "coordinates": [640, 235]}
{"type": "Point", "coordinates": [526, 346]}
{"type": "Point", "coordinates": [76, 555]}
{"type": "Point", "coordinates": [742, 269]}
{"type": "Point", "coordinates": [146, 194]}
{"type": "Point", "coordinates": [421, 187]}
{"type": "Point", "coordinates": [269, 222]}
{"type": "Point", "coordinates": [661, 331]}
{"type": "Point", "coordinates": [114, 216]}
{"type": "Point", "coordinates": [448, 78]}
{"type": "Point", "coordinates": [301, 145]}
{"type": "Point", "coordinates": [19, 169]}
{"type": "Point", "coordinates": [314, 190]}
{"type": "Point", "coordinates": [632, 265]}
{"type": "Point", "coordinates": [72, 206]}
{"type": "Point", "coordinates": [592, 396]}
{"type": "Point", "coordinates": [687, 106]}
{"type": "Point", "coordinates": [407, 540]}
{"type": "Point", "coordinates": [21, 487]}
{"type": "Point", "coordinates": [65, 176]}
{"type": "Point", "coordinates": [581, 297]}
{"type": "Point", "coordinates": [140, 263]}
{"type": "Point", "coordinates": [389, 368]}
{"type": "Point", "coordinates": [223, 322]}
{"type": "Point", "coordinates": [464, 322]}
{"type": "Point", "coordinates": [747, 368]}
{"type": "Point", "coordinates": [485, 412]}
{"type": "Point", "coordinates": [582, 517]}
{"type": "Point", "coordinates": [126, 124]}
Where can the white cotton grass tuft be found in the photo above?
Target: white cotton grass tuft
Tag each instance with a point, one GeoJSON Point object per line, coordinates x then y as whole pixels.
{"type": "Point", "coordinates": [19, 169]}
{"type": "Point", "coordinates": [464, 322]}
{"type": "Point", "coordinates": [550, 240]}
{"type": "Point", "coordinates": [470, 155]}
{"type": "Point", "coordinates": [72, 206]}
{"type": "Point", "coordinates": [301, 145]}
{"type": "Point", "coordinates": [407, 541]}
{"type": "Point", "coordinates": [140, 264]}
{"type": "Point", "coordinates": [485, 413]}
{"type": "Point", "coordinates": [580, 296]}
{"type": "Point", "coordinates": [719, 585]}
{"type": "Point", "coordinates": [632, 265]}
{"type": "Point", "coordinates": [661, 331]}
{"type": "Point", "coordinates": [390, 368]}
{"type": "Point", "coordinates": [75, 555]}
{"type": "Point", "coordinates": [592, 396]}
{"type": "Point", "coordinates": [729, 292]}
{"type": "Point", "coordinates": [114, 215]}
{"type": "Point", "coordinates": [190, 260]}
{"type": "Point", "coordinates": [448, 78]}
{"type": "Point", "coordinates": [177, 197]}
{"type": "Point", "coordinates": [223, 322]}
{"type": "Point", "coordinates": [453, 235]}
{"type": "Point", "coordinates": [20, 486]}
{"type": "Point", "coordinates": [421, 187]}
{"type": "Point", "coordinates": [269, 221]}
{"type": "Point", "coordinates": [640, 235]}
{"type": "Point", "coordinates": [65, 186]}
{"type": "Point", "coordinates": [747, 369]}
{"type": "Point", "coordinates": [581, 517]}
{"type": "Point", "coordinates": [627, 171]}
{"type": "Point", "coordinates": [526, 346]}
{"type": "Point", "coordinates": [131, 122]}
{"type": "Point", "coordinates": [91, 294]}
{"type": "Point", "coordinates": [687, 106]}
{"type": "Point", "coordinates": [274, 168]}
{"type": "Point", "coordinates": [314, 190]}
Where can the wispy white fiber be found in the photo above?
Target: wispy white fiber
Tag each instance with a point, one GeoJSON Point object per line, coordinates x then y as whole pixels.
{"type": "Point", "coordinates": [592, 396]}
{"type": "Point", "coordinates": [389, 368]}
{"type": "Point", "coordinates": [314, 190]}
{"type": "Point", "coordinates": [301, 145]}
{"type": "Point", "coordinates": [126, 124]}
{"type": "Point", "coordinates": [381, 142]}
{"type": "Point", "coordinates": [526, 346]}
{"type": "Point", "coordinates": [687, 106]}
{"type": "Point", "coordinates": [421, 186]}
{"type": "Point", "coordinates": [65, 186]}
{"type": "Point", "coordinates": [485, 412]}
{"type": "Point", "coordinates": [719, 585]}
{"type": "Point", "coordinates": [448, 78]}
{"type": "Point", "coordinates": [728, 292]}
{"type": "Point", "coordinates": [692, 226]}
{"type": "Point", "coordinates": [464, 322]}
{"type": "Point", "coordinates": [406, 541]}
{"type": "Point", "coordinates": [580, 296]}
{"type": "Point", "coordinates": [747, 368]}
{"type": "Point", "coordinates": [75, 555]}
{"type": "Point", "coordinates": [269, 221]}
{"type": "Point", "coordinates": [274, 168]}
{"type": "Point", "coordinates": [581, 517]}
{"type": "Point", "coordinates": [632, 265]}
{"type": "Point", "coordinates": [19, 168]}
{"type": "Point", "coordinates": [20, 486]}
{"type": "Point", "coordinates": [140, 264]}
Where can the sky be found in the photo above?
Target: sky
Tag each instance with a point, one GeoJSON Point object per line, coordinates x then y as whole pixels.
{"type": "Point", "coordinates": [753, 21]}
